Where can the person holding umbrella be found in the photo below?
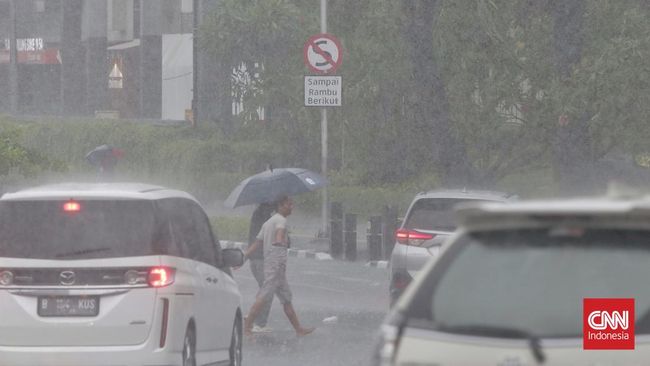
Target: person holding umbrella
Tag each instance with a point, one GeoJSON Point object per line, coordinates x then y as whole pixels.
{"type": "Point", "coordinates": [105, 158]}
{"type": "Point", "coordinates": [273, 237]}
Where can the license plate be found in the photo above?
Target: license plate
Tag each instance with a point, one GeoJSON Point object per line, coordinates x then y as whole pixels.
{"type": "Point", "coordinates": [68, 306]}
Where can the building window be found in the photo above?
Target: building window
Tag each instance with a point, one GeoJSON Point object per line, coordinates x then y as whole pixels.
{"type": "Point", "coordinates": [136, 18]}
{"type": "Point", "coordinates": [5, 11]}
{"type": "Point", "coordinates": [187, 6]}
{"type": "Point", "coordinates": [39, 6]}
{"type": "Point", "coordinates": [119, 15]}
{"type": "Point", "coordinates": [52, 6]}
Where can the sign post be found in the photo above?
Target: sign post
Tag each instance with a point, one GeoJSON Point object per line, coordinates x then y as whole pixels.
{"type": "Point", "coordinates": [322, 54]}
{"type": "Point", "coordinates": [325, 204]}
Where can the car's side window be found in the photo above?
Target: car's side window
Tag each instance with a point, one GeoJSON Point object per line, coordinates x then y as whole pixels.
{"type": "Point", "coordinates": [163, 237]}
{"type": "Point", "coordinates": [189, 231]}
{"type": "Point", "coordinates": [209, 251]}
{"type": "Point", "coordinates": [181, 228]}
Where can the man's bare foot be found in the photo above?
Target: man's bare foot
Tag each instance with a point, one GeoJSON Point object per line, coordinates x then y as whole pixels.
{"type": "Point", "coordinates": [248, 334]}
{"type": "Point", "coordinates": [304, 331]}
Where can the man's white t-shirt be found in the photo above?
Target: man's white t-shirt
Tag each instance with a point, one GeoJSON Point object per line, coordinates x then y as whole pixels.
{"type": "Point", "coordinates": [268, 232]}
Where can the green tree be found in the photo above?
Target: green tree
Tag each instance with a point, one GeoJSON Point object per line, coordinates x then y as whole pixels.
{"type": "Point", "coordinates": [16, 158]}
{"type": "Point", "coordinates": [469, 90]}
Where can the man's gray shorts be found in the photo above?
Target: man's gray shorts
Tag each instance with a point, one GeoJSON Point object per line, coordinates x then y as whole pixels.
{"type": "Point", "coordinates": [275, 276]}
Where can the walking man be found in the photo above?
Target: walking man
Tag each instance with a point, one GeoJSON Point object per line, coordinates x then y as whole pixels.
{"type": "Point", "coordinates": [261, 214]}
{"type": "Point", "coordinates": [274, 239]}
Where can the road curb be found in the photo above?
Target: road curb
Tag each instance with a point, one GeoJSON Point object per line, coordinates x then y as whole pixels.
{"type": "Point", "coordinates": [298, 253]}
{"type": "Point", "coordinates": [377, 264]}
{"type": "Point", "coordinates": [227, 244]}
{"type": "Point", "coordinates": [302, 253]}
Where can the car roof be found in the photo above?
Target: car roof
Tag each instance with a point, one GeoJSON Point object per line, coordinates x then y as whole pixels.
{"type": "Point", "coordinates": [466, 194]}
{"type": "Point", "coordinates": [98, 191]}
{"type": "Point", "coordinates": [478, 214]}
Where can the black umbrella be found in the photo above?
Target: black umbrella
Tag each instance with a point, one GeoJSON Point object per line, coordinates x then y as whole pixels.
{"type": "Point", "coordinates": [268, 186]}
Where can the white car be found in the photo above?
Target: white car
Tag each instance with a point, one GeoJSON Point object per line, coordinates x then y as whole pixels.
{"type": "Point", "coordinates": [509, 287]}
{"type": "Point", "coordinates": [114, 274]}
{"type": "Point", "coordinates": [429, 221]}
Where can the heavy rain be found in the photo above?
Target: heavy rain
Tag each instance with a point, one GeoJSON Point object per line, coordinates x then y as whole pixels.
{"type": "Point", "coordinates": [324, 182]}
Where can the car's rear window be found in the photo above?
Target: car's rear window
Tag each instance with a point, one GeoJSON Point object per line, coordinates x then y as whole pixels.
{"type": "Point", "coordinates": [535, 280]}
{"type": "Point", "coordinates": [434, 214]}
{"type": "Point", "coordinates": [99, 229]}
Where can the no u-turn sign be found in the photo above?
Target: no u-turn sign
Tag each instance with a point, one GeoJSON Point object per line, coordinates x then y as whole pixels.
{"type": "Point", "coordinates": [323, 53]}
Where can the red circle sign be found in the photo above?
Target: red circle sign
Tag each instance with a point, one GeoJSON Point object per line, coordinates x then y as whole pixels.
{"type": "Point", "coordinates": [322, 53]}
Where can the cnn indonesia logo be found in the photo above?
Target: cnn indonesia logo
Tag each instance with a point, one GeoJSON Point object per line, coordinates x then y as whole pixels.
{"type": "Point", "coordinates": [608, 324]}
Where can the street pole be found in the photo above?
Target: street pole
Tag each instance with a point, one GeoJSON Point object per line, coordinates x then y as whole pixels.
{"type": "Point", "coordinates": [13, 63]}
{"type": "Point", "coordinates": [323, 29]}
{"type": "Point", "coordinates": [94, 38]}
{"type": "Point", "coordinates": [195, 62]}
{"type": "Point", "coordinates": [150, 59]}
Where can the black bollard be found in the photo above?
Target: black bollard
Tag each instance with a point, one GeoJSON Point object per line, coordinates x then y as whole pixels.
{"type": "Point", "coordinates": [389, 228]}
{"type": "Point", "coordinates": [336, 230]}
{"type": "Point", "coordinates": [374, 238]}
{"type": "Point", "coordinates": [350, 237]}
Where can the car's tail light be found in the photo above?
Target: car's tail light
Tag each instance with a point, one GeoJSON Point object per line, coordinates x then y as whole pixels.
{"type": "Point", "coordinates": [412, 237]}
{"type": "Point", "coordinates": [161, 276]}
{"type": "Point", "coordinates": [6, 278]}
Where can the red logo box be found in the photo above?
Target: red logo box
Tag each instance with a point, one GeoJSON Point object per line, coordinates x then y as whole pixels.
{"type": "Point", "coordinates": [608, 324]}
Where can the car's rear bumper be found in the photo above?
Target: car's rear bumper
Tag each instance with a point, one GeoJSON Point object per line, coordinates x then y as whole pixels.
{"type": "Point", "coordinates": [148, 353]}
{"type": "Point", "coordinates": [89, 356]}
{"type": "Point", "coordinates": [398, 283]}
{"type": "Point", "coordinates": [405, 263]}
{"type": "Point", "coordinates": [411, 258]}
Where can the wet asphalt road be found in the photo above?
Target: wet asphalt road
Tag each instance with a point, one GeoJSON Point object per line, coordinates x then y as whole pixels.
{"type": "Point", "coordinates": [355, 294]}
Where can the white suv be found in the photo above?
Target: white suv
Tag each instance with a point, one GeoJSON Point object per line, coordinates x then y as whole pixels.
{"type": "Point", "coordinates": [114, 274]}
{"type": "Point", "coordinates": [429, 222]}
{"type": "Point", "coordinates": [509, 287]}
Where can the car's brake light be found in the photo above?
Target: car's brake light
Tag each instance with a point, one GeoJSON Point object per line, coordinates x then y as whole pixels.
{"type": "Point", "coordinates": [161, 276]}
{"type": "Point", "coordinates": [402, 236]}
{"type": "Point", "coordinates": [71, 206]}
{"type": "Point", "coordinates": [412, 237]}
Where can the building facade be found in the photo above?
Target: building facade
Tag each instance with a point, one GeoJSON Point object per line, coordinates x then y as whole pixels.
{"type": "Point", "coordinates": [81, 57]}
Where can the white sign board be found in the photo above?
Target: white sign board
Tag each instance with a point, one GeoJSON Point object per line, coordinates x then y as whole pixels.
{"type": "Point", "coordinates": [115, 78]}
{"type": "Point", "coordinates": [323, 91]}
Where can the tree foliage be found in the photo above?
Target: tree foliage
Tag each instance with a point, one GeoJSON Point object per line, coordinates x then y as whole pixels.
{"type": "Point", "coordinates": [16, 158]}
{"type": "Point", "coordinates": [494, 84]}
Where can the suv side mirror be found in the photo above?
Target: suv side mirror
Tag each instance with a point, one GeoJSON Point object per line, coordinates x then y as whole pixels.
{"type": "Point", "coordinates": [232, 257]}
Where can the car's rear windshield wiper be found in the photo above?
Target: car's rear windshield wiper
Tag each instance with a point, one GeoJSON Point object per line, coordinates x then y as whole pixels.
{"type": "Point", "coordinates": [82, 252]}
{"type": "Point", "coordinates": [504, 332]}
